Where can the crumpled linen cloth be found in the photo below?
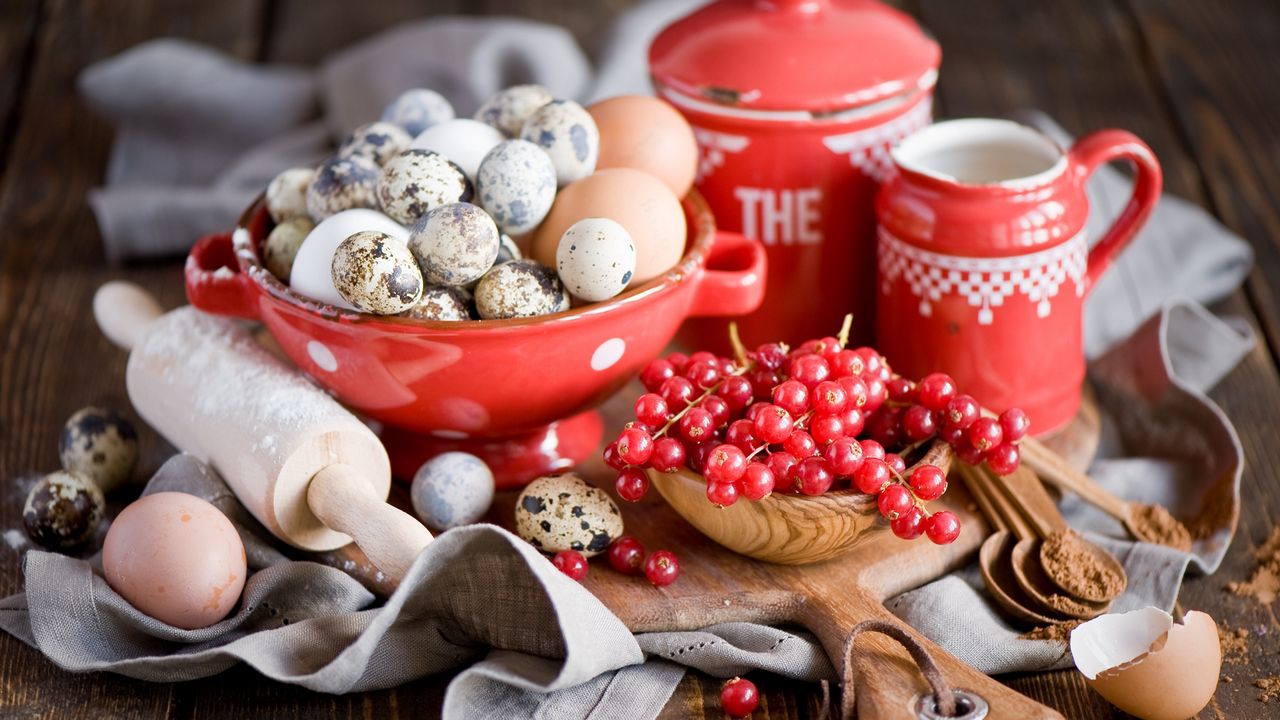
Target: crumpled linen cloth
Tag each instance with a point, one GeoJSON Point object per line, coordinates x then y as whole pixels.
{"type": "Point", "coordinates": [1154, 355]}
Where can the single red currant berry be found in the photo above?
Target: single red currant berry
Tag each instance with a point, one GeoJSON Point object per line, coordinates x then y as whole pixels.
{"type": "Point", "coordinates": [895, 463]}
{"type": "Point", "coordinates": [872, 449]}
{"type": "Point", "coordinates": [722, 494]}
{"type": "Point", "coordinates": [773, 424]}
{"type": "Point", "coordinates": [937, 390]}
{"type": "Point", "coordinates": [626, 555]}
{"type": "Point", "coordinates": [885, 425]}
{"type": "Point", "coordinates": [800, 444]}
{"type": "Point", "coordinates": [909, 524]}
{"type": "Point", "coordinates": [611, 457]}
{"type": "Point", "coordinates": [813, 476]}
{"type": "Point", "coordinates": [770, 356]}
{"type": "Point", "coordinates": [651, 409]}
{"type": "Point", "coordinates": [953, 435]}
{"type": "Point", "coordinates": [877, 393]}
{"type": "Point", "coordinates": [739, 698]}
{"type": "Point", "coordinates": [872, 476]}
{"type": "Point", "coordinates": [962, 410]}
{"type": "Point", "coordinates": [718, 408]}
{"type": "Point", "coordinates": [571, 563]}
{"type": "Point", "coordinates": [677, 391]}
{"type": "Point", "coordinates": [792, 396]}
{"type": "Point", "coordinates": [829, 398]}
{"type": "Point", "coordinates": [942, 527]}
{"type": "Point", "coordinates": [705, 356]}
{"type": "Point", "coordinates": [662, 568]}
{"type": "Point", "coordinates": [928, 482]}
{"type": "Point", "coordinates": [847, 363]}
{"type": "Point", "coordinates": [853, 422]}
{"type": "Point", "coordinates": [810, 369]}
{"type": "Point", "coordinates": [757, 481]}
{"type": "Point", "coordinates": [781, 463]}
{"type": "Point", "coordinates": [679, 361]}
{"type": "Point", "coordinates": [985, 433]}
{"type": "Point", "coordinates": [763, 382]}
{"type": "Point", "coordinates": [901, 390]}
{"type": "Point", "coordinates": [1004, 458]}
{"type": "Point", "coordinates": [754, 409]}
{"type": "Point", "coordinates": [703, 374]}
{"type": "Point", "coordinates": [828, 347]}
{"type": "Point", "coordinates": [918, 423]}
{"type": "Point", "coordinates": [844, 456]}
{"type": "Point", "coordinates": [696, 454]}
{"type": "Point", "coordinates": [725, 464]}
{"type": "Point", "coordinates": [736, 391]}
{"type": "Point", "coordinates": [894, 500]}
{"type": "Point", "coordinates": [668, 454]}
{"type": "Point", "coordinates": [1014, 423]}
{"type": "Point", "coordinates": [855, 391]}
{"type": "Point", "coordinates": [872, 361]}
{"type": "Point", "coordinates": [632, 484]}
{"type": "Point", "coordinates": [826, 429]}
{"type": "Point", "coordinates": [697, 425]}
{"type": "Point", "coordinates": [635, 446]}
{"type": "Point", "coordinates": [741, 433]}
{"type": "Point", "coordinates": [967, 453]}
{"type": "Point", "coordinates": [656, 373]}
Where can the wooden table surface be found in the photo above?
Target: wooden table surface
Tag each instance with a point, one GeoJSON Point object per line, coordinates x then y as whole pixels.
{"type": "Point", "coordinates": [1196, 79]}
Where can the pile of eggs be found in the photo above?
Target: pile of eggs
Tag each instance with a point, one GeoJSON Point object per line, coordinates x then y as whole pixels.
{"type": "Point", "coordinates": [533, 205]}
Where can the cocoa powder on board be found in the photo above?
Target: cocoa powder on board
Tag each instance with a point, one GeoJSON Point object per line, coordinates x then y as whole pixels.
{"type": "Point", "coordinates": [1060, 632]}
{"type": "Point", "coordinates": [1264, 584]}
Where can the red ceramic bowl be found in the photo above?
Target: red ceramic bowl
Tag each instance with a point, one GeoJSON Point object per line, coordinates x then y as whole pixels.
{"type": "Point", "coordinates": [516, 392]}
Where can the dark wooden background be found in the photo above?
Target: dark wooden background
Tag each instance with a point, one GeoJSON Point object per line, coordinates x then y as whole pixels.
{"type": "Point", "coordinates": [1197, 80]}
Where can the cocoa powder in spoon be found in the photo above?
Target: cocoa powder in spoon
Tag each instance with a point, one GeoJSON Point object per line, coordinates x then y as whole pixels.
{"type": "Point", "coordinates": [1069, 560]}
{"type": "Point", "coordinates": [1155, 524]}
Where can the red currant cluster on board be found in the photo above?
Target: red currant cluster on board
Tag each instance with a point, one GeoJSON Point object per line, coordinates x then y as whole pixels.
{"type": "Point", "coordinates": [807, 420]}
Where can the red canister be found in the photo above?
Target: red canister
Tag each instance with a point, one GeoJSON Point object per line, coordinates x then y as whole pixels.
{"type": "Point", "coordinates": [795, 104]}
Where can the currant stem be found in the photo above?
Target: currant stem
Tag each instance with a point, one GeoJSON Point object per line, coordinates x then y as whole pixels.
{"type": "Point", "coordinates": [739, 350]}
{"type": "Point", "coordinates": [845, 327]}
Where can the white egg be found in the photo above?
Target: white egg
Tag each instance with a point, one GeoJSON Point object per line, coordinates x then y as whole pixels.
{"type": "Point", "coordinates": [568, 133]}
{"type": "Point", "coordinates": [463, 141]}
{"type": "Point", "coordinates": [596, 258]}
{"type": "Point", "coordinates": [313, 266]}
{"type": "Point", "coordinates": [517, 185]}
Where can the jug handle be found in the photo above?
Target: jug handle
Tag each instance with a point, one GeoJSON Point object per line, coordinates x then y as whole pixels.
{"type": "Point", "coordinates": [214, 281]}
{"type": "Point", "coordinates": [1096, 150]}
{"type": "Point", "coordinates": [732, 282]}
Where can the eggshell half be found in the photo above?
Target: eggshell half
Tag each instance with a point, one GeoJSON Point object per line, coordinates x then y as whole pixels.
{"type": "Point", "coordinates": [1149, 666]}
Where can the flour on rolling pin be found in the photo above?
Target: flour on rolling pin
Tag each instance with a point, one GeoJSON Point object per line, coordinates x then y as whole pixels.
{"type": "Point", "coordinates": [211, 390]}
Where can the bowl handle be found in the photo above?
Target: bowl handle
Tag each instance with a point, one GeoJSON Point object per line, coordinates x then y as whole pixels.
{"type": "Point", "coordinates": [733, 281]}
{"type": "Point", "coordinates": [214, 281]}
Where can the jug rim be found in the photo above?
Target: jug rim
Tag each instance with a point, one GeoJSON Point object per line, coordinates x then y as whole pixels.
{"type": "Point", "coordinates": [912, 155]}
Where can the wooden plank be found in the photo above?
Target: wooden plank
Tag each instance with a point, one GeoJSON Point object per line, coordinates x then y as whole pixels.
{"type": "Point", "coordinates": [305, 31]}
{"type": "Point", "coordinates": [18, 26]}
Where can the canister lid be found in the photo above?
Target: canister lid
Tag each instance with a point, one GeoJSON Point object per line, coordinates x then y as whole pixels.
{"type": "Point", "coordinates": [819, 56]}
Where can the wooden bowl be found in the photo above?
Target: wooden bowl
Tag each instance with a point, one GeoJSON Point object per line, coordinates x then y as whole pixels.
{"type": "Point", "coordinates": [784, 528]}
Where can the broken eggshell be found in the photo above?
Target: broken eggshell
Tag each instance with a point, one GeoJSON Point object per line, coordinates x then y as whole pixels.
{"type": "Point", "coordinates": [1147, 665]}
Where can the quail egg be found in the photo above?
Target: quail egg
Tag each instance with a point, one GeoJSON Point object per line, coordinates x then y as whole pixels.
{"type": "Point", "coordinates": [508, 109]}
{"type": "Point", "coordinates": [63, 510]}
{"type": "Point", "coordinates": [563, 512]}
{"type": "Point", "coordinates": [517, 185]}
{"type": "Point", "coordinates": [415, 181]}
{"type": "Point", "coordinates": [378, 141]}
{"type": "Point", "coordinates": [418, 109]}
{"type": "Point", "coordinates": [342, 183]}
{"type": "Point", "coordinates": [451, 490]}
{"type": "Point", "coordinates": [508, 250]}
{"type": "Point", "coordinates": [281, 246]}
{"type": "Point", "coordinates": [376, 273]}
{"type": "Point", "coordinates": [596, 259]}
{"type": "Point", "coordinates": [520, 288]}
{"type": "Point", "coordinates": [100, 445]}
{"type": "Point", "coordinates": [287, 194]}
{"type": "Point", "coordinates": [454, 244]}
{"type": "Point", "coordinates": [442, 302]}
{"type": "Point", "coordinates": [312, 272]}
{"type": "Point", "coordinates": [568, 133]}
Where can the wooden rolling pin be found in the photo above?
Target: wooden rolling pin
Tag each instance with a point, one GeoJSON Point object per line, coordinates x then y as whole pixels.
{"type": "Point", "coordinates": [308, 469]}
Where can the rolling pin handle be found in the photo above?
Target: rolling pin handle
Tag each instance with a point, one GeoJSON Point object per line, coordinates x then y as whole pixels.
{"type": "Point", "coordinates": [344, 501]}
{"type": "Point", "coordinates": [124, 311]}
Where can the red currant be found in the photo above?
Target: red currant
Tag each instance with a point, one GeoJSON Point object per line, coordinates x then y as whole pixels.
{"type": "Point", "coordinates": [953, 435]}
{"type": "Point", "coordinates": [662, 568]}
{"type": "Point", "coordinates": [847, 363]}
{"type": "Point", "coordinates": [736, 391]}
{"type": "Point", "coordinates": [937, 390]}
{"type": "Point", "coordinates": [872, 449]}
{"type": "Point", "coordinates": [828, 347]}
{"type": "Point", "coordinates": [781, 463]}
{"type": "Point", "coordinates": [718, 408]}
{"type": "Point", "coordinates": [696, 454]}
{"type": "Point", "coordinates": [571, 563]}
{"type": "Point", "coordinates": [635, 446]}
{"type": "Point", "coordinates": [741, 433]}
{"type": "Point", "coordinates": [810, 369]}
{"type": "Point", "coordinates": [677, 391]}
{"type": "Point", "coordinates": [928, 482]}
{"type": "Point", "coordinates": [703, 374]}
{"type": "Point", "coordinates": [894, 500]}
{"type": "Point", "coordinates": [697, 425]}
{"type": "Point", "coordinates": [739, 698]}
{"type": "Point", "coordinates": [668, 454]}
{"type": "Point", "coordinates": [985, 433]}
{"type": "Point", "coordinates": [877, 393]}
{"type": "Point", "coordinates": [966, 452]}
{"type": "Point", "coordinates": [853, 422]}
{"type": "Point", "coordinates": [829, 398]}
{"type": "Point", "coordinates": [651, 409]}
{"type": "Point", "coordinates": [705, 356]}
{"type": "Point", "coordinates": [942, 527]}
{"type": "Point", "coordinates": [885, 425]}
{"type": "Point", "coordinates": [901, 390]}
{"type": "Point", "coordinates": [872, 476]}
{"type": "Point", "coordinates": [1004, 458]}
{"type": "Point", "coordinates": [679, 361]}
{"type": "Point", "coordinates": [792, 396]}
{"type": "Point", "coordinates": [1015, 424]}
{"type": "Point", "coordinates": [800, 444]}
{"type": "Point", "coordinates": [855, 391]}
{"type": "Point", "coordinates": [896, 463]}
{"type": "Point", "coordinates": [813, 476]}
{"type": "Point", "coordinates": [909, 524]}
{"type": "Point", "coordinates": [611, 457]}
{"type": "Point", "coordinates": [962, 410]}
{"type": "Point", "coordinates": [918, 423]}
{"type": "Point", "coordinates": [872, 361]}
{"type": "Point", "coordinates": [773, 424]}
{"type": "Point", "coordinates": [771, 356]}
{"type": "Point", "coordinates": [656, 373]}
{"type": "Point", "coordinates": [632, 484]}
{"type": "Point", "coordinates": [757, 481]}
{"type": "Point", "coordinates": [844, 456]}
{"type": "Point", "coordinates": [826, 429]}
{"type": "Point", "coordinates": [763, 382]}
{"type": "Point", "coordinates": [626, 555]}
{"type": "Point", "coordinates": [725, 464]}
{"type": "Point", "coordinates": [722, 494]}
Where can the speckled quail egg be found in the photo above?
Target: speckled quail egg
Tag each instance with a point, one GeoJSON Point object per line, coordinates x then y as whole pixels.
{"type": "Point", "coordinates": [63, 510]}
{"type": "Point", "coordinates": [563, 512]}
{"type": "Point", "coordinates": [596, 258]}
{"type": "Point", "coordinates": [287, 194]}
{"type": "Point", "coordinates": [508, 250]}
{"type": "Point", "coordinates": [415, 181]}
{"type": "Point", "coordinates": [342, 183]}
{"type": "Point", "coordinates": [463, 141]}
{"type": "Point", "coordinates": [378, 141]}
{"type": "Point", "coordinates": [452, 489]}
{"type": "Point", "coordinates": [568, 133]}
{"type": "Point", "coordinates": [281, 246]}
{"type": "Point", "coordinates": [376, 273]}
{"type": "Point", "coordinates": [442, 302]}
{"type": "Point", "coordinates": [508, 110]}
{"type": "Point", "coordinates": [418, 109]}
{"type": "Point", "coordinates": [517, 185]}
{"type": "Point", "coordinates": [520, 288]}
{"type": "Point", "coordinates": [312, 273]}
{"type": "Point", "coordinates": [100, 445]}
{"type": "Point", "coordinates": [454, 244]}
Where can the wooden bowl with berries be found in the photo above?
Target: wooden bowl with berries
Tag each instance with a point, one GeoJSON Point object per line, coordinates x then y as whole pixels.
{"type": "Point", "coordinates": [798, 456]}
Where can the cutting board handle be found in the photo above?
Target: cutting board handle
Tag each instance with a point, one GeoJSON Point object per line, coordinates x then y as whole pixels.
{"type": "Point", "coordinates": [887, 682]}
{"type": "Point", "coordinates": [345, 502]}
{"type": "Point", "coordinates": [124, 311]}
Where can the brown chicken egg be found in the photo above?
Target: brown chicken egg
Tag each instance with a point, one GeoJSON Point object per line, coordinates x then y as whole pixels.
{"type": "Point", "coordinates": [646, 133]}
{"type": "Point", "coordinates": [638, 201]}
